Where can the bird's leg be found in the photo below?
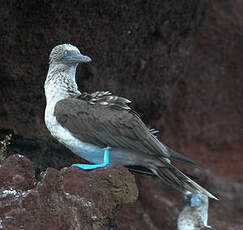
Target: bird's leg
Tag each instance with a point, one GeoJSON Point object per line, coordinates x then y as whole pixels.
{"type": "Point", "coordinates": [88, 166]}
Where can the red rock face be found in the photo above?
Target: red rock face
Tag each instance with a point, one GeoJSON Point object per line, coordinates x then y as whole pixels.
{"type": "Point", "coordinates": [178, 61]}
{"type": "Point", "coordinates": [205, 116]}
{"type": "Point", "coordinates": [66, 199]}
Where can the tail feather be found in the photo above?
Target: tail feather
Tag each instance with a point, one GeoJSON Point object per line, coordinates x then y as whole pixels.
{"type": "Point", "coordinates": [179, 157]}
{"type": "Point", "coordinates": [174, 177]}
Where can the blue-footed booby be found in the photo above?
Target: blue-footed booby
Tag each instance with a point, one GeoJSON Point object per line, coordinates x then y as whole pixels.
{"type": "Point", "coordinates": [194, 215]}
{"type": "Point", "coordinates": [102, 128]}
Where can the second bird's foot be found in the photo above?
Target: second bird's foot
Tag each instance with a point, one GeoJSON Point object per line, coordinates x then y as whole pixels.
{"type": "Point", "coordinates": [94, 166]}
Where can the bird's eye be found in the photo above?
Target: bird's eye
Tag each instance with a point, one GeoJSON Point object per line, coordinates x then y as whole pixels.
{"type": "Point", "coordinates": [65, 52]}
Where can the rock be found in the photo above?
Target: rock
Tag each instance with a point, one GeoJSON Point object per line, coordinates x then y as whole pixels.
{"type": "Point", "coordinates": [65, 199]}
{"type": "Point", "coordinates": [204, 119]}
{"type": "Point", "coordinates": [17, 172]}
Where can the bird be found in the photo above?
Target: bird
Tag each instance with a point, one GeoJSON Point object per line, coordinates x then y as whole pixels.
{"type": "Point", "coordinates": [194, 215]}
{"type": "Point", "coordinates": [103, 129]}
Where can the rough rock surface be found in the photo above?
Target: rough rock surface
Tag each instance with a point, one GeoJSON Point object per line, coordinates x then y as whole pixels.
{"type": "Point", "coordinates": [65, 199]}
{"type": "Point", "coordinates": [204, 118]}
{"type": "Point", "coordinates": [179, 61]}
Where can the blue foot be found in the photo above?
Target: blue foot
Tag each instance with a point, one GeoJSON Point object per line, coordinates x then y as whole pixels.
{"type": "Point", "coordinates": [88, 167]}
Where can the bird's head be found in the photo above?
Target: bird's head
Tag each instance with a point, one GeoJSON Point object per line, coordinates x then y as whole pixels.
{"type": "Point", "coordinates": [68, 55]}
{"type": "Point", "coordinates": [192, 200]}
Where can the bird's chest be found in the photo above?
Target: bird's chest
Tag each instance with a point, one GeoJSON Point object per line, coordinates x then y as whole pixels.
{"type": "Point", "coordinates": [59, 132]}
{"type": "Point", "coordinates": [54, 95]}
{"type": "Point", "coordinates": [85, 150]}
{"type": "Point", "coordinates": [191, 219]}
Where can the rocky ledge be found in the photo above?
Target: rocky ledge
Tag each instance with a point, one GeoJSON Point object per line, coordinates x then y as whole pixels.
{"type": "Point", "coordinates": [63, 199]}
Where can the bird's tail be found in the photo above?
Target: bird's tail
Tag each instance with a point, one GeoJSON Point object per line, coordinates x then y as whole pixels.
{"type": "Point", "coordinates": [175, 178]}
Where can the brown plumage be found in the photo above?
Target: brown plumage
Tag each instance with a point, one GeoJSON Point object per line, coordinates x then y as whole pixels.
{"type": "Point", "coordinates": [103, 120]}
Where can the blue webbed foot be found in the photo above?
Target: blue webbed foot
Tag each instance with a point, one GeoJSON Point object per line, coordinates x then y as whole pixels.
{"type": "Point", "coordinates": [88, 167]}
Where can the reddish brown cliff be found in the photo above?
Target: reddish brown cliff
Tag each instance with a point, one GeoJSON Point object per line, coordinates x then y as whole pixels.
{"type": "Point", "coordinates": [65, 199]}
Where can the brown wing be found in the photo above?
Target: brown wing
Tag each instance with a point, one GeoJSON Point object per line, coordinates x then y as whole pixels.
{"type": "Point", "coordinates": [105, 120]}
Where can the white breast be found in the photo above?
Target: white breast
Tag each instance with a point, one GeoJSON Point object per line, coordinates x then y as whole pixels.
{"type": "Point", "coordinates": [186, 220]}
{"type": "Point", "coordinates": [193, 218]}
{"type": "Point", "coordinates": [85, 150]}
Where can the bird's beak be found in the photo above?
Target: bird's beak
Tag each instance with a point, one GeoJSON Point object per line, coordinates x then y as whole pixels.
{"type": "Point", "coordinates": [85, 58]}
{"type": "Point", "coordinates": [74, 57]}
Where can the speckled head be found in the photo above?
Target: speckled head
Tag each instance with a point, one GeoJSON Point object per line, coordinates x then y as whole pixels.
{"type": "Point", "coordinates": [192, 200]}
{"type": "Point", "coordinates": [67, 54]}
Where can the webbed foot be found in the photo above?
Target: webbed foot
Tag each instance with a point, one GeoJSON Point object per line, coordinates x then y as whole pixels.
{"type": "Point", "coordinates": [94, 166]}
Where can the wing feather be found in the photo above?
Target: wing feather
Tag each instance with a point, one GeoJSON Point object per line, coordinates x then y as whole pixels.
{"type": "Point", "coordinates": [111, 124]}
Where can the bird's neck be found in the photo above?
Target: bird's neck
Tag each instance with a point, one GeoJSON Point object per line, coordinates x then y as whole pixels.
{"type": "Point", "coordinates": [60, 83]}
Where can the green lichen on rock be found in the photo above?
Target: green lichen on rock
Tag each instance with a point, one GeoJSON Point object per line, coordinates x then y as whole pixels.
{"type": "Point", "coordinates": [3, 145]}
